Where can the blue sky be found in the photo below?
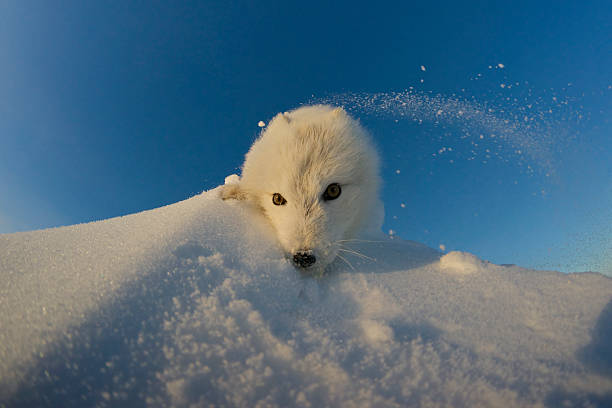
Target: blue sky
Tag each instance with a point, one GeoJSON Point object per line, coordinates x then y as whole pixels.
{"type": "Point", "coordinates": [111, 108]}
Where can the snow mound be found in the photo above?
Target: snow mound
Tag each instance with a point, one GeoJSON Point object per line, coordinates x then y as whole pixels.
{"type": "Point", "coordinates": [194, 304]}
{"type": "Point", "coordinates": [461, 263]}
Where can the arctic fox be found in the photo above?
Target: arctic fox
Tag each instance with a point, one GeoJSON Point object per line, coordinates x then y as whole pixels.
{"type": "Point", "coordinates": [314, 173]}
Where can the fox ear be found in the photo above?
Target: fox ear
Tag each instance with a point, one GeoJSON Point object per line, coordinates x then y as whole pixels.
{"type": "Point", "coordinates": [232, 191]}
{"type": "Point", "coordinates": [285, 117]}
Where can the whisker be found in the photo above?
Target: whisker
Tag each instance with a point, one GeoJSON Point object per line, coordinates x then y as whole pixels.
{"type": "Point", "coordinates": [357, 253]}
{"type": "Point", "coordinates": [344, 259]}
{"type": "Point", "coordinates": [357, 240]}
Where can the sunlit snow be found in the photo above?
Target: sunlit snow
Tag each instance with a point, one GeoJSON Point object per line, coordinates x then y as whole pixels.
{"type": "Point", "coordinates": [194, 304]}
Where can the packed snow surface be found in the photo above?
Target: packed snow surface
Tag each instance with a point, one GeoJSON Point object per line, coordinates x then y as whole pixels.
{"type": "Point", "coordinates": [194, 304]}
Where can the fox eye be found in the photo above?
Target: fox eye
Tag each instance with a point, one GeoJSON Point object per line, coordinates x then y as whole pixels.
{"type": "Point", "coordinates": [278, 199]}
{"type": "Point", "coordinates": [332, 192]}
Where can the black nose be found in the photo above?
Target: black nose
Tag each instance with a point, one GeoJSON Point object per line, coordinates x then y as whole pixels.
{"type": "Point", "coordinates": [304, 258]}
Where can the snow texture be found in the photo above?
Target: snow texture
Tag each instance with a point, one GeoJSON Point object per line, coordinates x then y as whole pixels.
{"type": "Point", "coordinates": [194, 304]}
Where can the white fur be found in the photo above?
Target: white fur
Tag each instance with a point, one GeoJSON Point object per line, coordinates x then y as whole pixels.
{"type": "Point", "coordinates": [298, 155]}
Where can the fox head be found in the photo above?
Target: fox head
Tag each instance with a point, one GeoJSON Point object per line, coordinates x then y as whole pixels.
{"type": "Point", "coordinates": [313, 173]}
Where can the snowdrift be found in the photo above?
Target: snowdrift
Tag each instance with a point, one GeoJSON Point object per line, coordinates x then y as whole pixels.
{"type": "Point", "coordinates": [194, 304]}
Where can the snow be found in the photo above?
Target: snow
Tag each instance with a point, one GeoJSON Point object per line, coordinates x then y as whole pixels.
{"type": "Point", "coordinates": [194, 304]}
{"type": "Point", "coordinates": [461, 263]}
{"type": "Point", "coordinates": [533, 137]}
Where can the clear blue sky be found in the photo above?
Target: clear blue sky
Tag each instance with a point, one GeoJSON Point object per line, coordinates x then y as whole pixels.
{"type": "Point", "coordinates": [110, 108]}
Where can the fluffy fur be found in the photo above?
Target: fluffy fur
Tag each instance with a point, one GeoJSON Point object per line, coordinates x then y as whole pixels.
{"type": "Point", "coordinates": [298, 155]}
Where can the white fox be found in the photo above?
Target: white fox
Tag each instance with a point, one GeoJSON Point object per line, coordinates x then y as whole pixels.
{"type": "Point", "coordinates": [314, 173]}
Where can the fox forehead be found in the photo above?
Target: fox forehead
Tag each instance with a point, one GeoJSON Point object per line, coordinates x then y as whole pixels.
{"type": "Point", "coordinates": [317, 153]}
{"type": "Point", "coordinates": [305, 168]}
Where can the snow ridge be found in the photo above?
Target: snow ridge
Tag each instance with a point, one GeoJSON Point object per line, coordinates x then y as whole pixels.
{"type": "Point", "coordinates": [194, 304]}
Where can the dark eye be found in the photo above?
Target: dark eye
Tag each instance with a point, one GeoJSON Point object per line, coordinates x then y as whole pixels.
{"type": "Point", "coordinates": [332, 192]}
{"type": "Point", "coordinates": [278, 199]}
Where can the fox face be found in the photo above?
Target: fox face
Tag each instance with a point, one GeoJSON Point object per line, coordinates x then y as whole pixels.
{"type": "Point", "coordinates": [314, 174]}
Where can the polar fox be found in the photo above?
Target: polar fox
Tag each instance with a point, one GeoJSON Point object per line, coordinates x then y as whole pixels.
{"type": "Point", "coordinates": [314, 173]}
